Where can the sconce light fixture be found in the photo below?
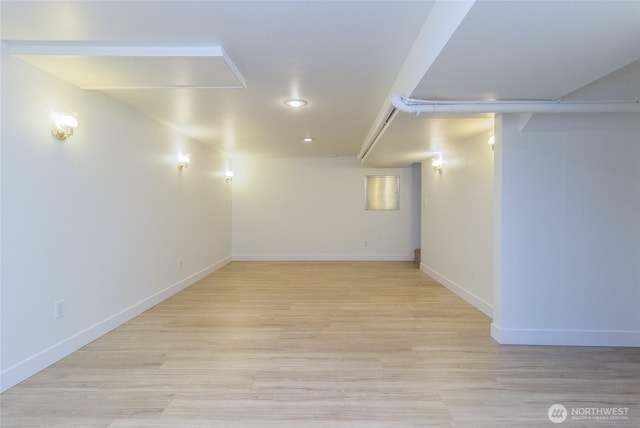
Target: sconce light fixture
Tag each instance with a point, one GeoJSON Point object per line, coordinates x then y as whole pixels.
{"type": "Point", "coordinates": [492, 141]}
{"type": "Point", "coordinates": [437, 163]}
{"type": "Point", "coordinates": [228, 176]}
{"type": "Point", "coordinates": [63, 126]}
{"type": "Point", "coordinates": [183, 161]}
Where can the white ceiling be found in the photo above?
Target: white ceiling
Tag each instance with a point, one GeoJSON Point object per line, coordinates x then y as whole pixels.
{"type": "Point", "coordinates": [339, 56]}
{"type": "Point", "coordinates": [513, 50]}
{"type": "Point", "coordinates": [533, 49]}
{"type": "Point", "coordinates": [344, 57]}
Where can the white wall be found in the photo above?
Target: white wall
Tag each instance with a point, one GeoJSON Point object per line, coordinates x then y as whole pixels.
{"type": "Point", "coordinates": [313, 209]}
{"type": "Point", "coordinates": [569, 230]}
{"type": "Point", "coordinates": [457, 221]}
{"type": "Point", "coordinates": [101, 220]}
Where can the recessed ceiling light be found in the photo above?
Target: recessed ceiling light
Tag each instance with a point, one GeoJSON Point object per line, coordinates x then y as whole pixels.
{"type": "Point", "coordinates": [308, 140]}
{"type": "Point", "coordinates": [295, 103]}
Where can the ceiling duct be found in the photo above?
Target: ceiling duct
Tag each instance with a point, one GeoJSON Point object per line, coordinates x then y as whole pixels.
{"type": "Point", "coordinates": [418, 106]}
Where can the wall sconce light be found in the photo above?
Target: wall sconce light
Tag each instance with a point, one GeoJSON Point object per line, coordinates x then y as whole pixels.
{"type": "Point", "coordinates": [63, 126]}
{"type": "Point", "coordinates": [492, 141]}
{"type": "Point", "coordinates": [228, 176]}
{"type": "Point", "coordinates": [183, 161]}
{"type": "Point", "coordinates": [437, 163]}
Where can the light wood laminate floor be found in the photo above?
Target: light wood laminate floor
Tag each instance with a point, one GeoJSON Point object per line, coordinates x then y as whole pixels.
{"type": "Point", "coordinates": [319, 344]}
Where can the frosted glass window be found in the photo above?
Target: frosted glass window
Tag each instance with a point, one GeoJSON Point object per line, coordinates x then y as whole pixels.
{"type": "Point", "coordinates": [382, 192]}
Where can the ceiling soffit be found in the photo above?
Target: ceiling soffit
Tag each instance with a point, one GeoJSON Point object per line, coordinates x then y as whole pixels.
{"type": "Point", "coordinates": [103, 67]}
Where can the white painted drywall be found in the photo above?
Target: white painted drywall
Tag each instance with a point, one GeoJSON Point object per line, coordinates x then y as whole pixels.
{"type": "Point", "coordinates": [457, 220]}
{"type": "Point", "coordinates": [101, 220]}
{"type": "Point", "coordinates": [313, 209]}
{"type": "Point", "coordinates": [569, 230]}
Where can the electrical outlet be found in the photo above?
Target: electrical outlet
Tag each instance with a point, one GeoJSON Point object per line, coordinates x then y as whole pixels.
{"type": "Point", "coordinates": [59, 309]}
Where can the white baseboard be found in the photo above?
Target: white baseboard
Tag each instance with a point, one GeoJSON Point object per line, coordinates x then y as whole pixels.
{"type": "Point", "coordinates": [32, 365]}
{"type": "Point", "coordinates": [512, 336]}
{"type": "Point", "coordinates": [322, 257]}
{"type": "Point", "coordinates": [482, 305]}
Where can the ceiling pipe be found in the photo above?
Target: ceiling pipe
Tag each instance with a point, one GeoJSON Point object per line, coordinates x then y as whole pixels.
{"type": "Point", "coordinates": [417, 106]}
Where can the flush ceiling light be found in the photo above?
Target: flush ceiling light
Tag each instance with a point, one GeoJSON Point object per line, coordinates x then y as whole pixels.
{"type": "Point", "coordinates": [308, 140]}
{"type": "Point", "coordinates": [295, 103]}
